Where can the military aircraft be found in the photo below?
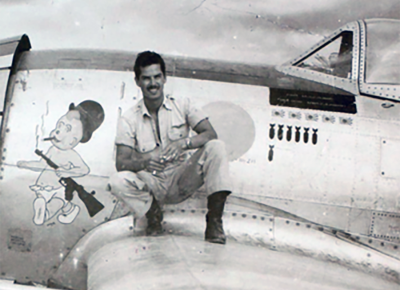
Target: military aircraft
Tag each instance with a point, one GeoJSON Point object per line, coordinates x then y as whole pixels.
{"type": "Point", "coordinates": [314, 149]}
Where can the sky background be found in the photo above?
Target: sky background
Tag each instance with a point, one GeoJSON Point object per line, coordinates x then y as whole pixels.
{"type": "Point", "coordinates": [256, 31]}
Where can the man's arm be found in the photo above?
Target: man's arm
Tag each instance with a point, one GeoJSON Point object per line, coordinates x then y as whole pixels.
{"type": "Point", "coordinates": [129, 159]}
{"type": "Point", "coordinates": [205, 132]}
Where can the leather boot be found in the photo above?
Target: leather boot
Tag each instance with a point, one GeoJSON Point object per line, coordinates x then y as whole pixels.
{"type": "Point", "coordinates": [214, 230]}
{"type": "Point", "coordinates": [154, 218]}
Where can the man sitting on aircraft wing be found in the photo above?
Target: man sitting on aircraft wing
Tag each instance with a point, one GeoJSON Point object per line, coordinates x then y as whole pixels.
{"type": "Point", "coordinates": [154, 167]}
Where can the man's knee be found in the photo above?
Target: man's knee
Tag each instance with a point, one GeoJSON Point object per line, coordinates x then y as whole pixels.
{"type": "Point", "coordinates": [215, 147]}
{"type": "Point", "coordinates": [125, 180]}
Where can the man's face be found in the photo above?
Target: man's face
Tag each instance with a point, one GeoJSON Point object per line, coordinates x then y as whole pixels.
{"type": "Point", "coordinates": [151, 82]}
{"type": "Point", "coordinates": [68, 132]}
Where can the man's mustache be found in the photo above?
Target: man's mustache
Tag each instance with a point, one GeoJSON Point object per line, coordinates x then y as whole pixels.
{"type": "Point", "coordinates": [153, 87]}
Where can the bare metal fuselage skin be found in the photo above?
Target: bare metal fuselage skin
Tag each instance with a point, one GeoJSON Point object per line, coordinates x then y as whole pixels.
{"type": "Point", "coordinates": [301, 141]}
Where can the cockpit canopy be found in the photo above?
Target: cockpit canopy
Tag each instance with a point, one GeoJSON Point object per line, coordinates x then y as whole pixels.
{"type": "Point", "coordinates": [361, 57]}
{"type": "Point", "coordinates": [334, 58]}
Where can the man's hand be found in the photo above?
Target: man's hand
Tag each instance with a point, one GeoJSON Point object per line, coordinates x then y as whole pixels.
{"type": "Point", "coordinates": [155, 165]}
{"type": "Point", "coordinates": [174, 150]}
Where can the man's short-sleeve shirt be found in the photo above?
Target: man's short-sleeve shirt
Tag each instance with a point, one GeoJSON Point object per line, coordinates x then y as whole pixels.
{"type": "Point", "coordinates": [137, 129]}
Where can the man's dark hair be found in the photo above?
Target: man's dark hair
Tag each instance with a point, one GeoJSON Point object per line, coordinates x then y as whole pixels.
{"type": "Point", "coordinates": [147, 58]}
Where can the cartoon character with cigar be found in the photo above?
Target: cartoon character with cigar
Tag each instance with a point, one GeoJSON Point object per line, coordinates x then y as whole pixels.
{"type": "Point", "coordinates": [76, 126]}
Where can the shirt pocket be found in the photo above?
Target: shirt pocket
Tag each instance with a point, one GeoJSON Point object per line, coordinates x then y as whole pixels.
{"type": "Point", "coordinates": [146, 146]}
{"type": "Point", "coordinates": [178, 131]}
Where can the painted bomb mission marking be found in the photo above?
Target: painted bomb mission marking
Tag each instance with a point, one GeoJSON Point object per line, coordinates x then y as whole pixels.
{"type": "Point", "coordinates": [306, 133]}
{"type": "Point", "coordinates": [299, 133]}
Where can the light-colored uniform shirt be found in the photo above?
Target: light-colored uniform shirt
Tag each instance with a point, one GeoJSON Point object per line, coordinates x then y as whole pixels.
{"type": "Point", "coordinates": [137, 129]}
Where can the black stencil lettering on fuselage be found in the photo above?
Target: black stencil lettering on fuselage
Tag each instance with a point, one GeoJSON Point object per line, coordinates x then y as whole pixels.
{"type": "Point", "coordinates": [272, 131]}
{"type": "Point", "coordinates": [314, 136]}
{"type": "Point", "coordinates": [280, 132]}
{"type": "Point", "coordinates": [289, 133]}
{"type": "Point", "coordinates": [305, 137]}
{"type": "Point", "coordinates": [271, 153]}
{"type": "Point", "coordinates": [297, 137]}
{"type": "Point", "coordinates": [313, 100]}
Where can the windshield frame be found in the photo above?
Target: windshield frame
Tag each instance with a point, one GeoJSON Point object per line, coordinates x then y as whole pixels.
{"type": "Point", "coordinates": [347, 84]}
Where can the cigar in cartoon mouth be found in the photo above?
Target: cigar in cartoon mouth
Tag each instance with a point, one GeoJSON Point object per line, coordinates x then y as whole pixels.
{"type": "Point", "coordinates": [49, 138]}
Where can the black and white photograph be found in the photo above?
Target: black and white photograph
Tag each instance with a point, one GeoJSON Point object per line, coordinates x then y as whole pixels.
{"type": "Point", "coordinates": [200, 145]}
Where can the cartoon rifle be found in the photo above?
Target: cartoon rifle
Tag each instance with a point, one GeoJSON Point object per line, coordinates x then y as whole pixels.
{"type": "Point", "coordinates": [92, 204]}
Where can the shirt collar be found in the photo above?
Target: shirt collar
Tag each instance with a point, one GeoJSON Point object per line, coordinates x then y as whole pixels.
{"type": "Point", "coordinates": [167, 104]}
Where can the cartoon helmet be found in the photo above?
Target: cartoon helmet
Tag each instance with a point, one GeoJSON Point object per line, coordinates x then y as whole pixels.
{"type": "Point", "coordinates": [91, 115]}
